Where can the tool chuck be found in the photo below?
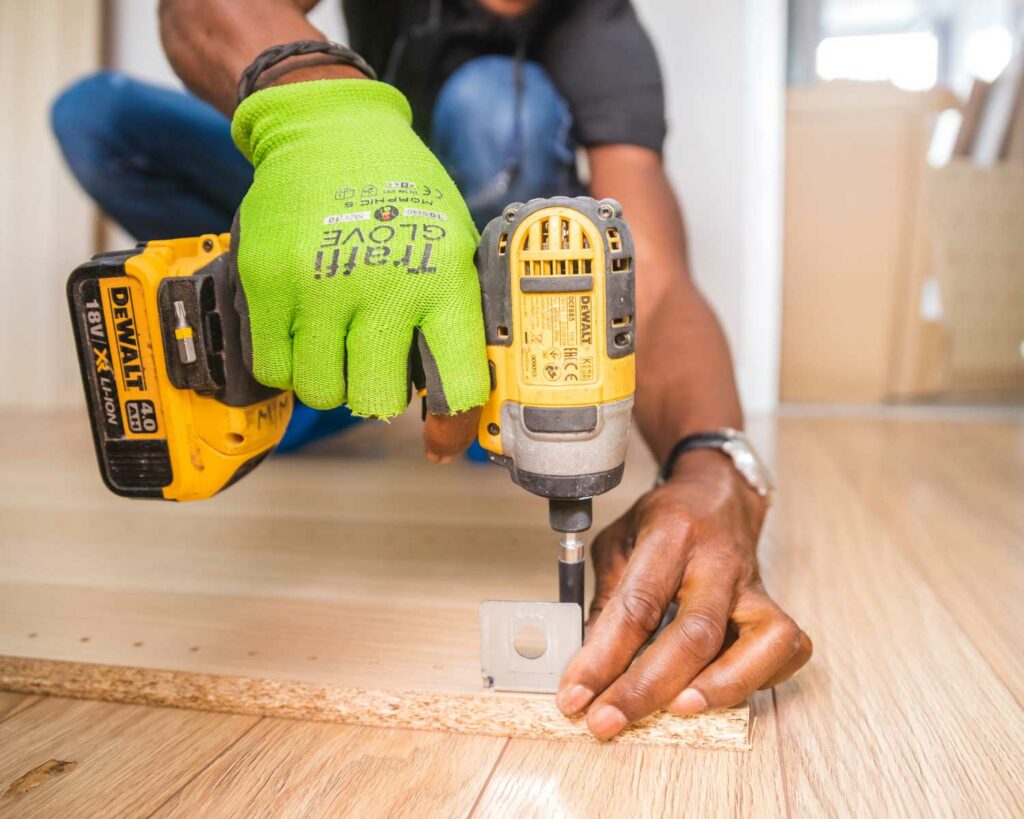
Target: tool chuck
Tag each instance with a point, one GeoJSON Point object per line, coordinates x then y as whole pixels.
{"type": "Point", "coordinates": [570, 517]}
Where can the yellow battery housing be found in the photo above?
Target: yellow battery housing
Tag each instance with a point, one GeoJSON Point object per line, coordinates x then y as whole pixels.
{"type": "Point", "coordinates": [166, 426]}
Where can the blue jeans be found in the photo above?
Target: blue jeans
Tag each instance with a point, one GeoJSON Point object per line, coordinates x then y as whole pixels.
{"type": "Point", "coordinates": [162, 164]}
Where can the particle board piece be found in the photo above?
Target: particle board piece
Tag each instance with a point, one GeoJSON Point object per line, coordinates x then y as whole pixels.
{"type": "Point", "coordinates": [353, 579]}
{"type": "Point", "coordinates": [488, 713]}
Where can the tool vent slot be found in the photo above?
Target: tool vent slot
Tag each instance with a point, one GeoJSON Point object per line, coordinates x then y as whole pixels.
{"type": "Point", "coordinates": [555, 245]}
{"type": "Point", "coordinates": [614, 239]}
{"type": "Point", "coordinates": [207, 295]}
{"type": "Point", "coordinates": [622, 265]}
{"type": "Point", "coordinates": [503, 244]}
{"type": "Point", "coordinates": [214, 334]}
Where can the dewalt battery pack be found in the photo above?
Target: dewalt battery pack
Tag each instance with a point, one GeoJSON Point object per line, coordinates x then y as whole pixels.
{"type": "Point", "coordinates": [175, 413]}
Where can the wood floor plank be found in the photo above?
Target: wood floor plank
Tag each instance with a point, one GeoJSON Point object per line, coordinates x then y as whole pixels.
{"type": "Point", "coordinates": [74, 758]}
{"type": "Point", "coordinates": [898, 547]}
{"type": "Point", "coordinates": [544, 779]}
{"type": "Point", "coordinates": [11, 703]}
{"type": "Point", "coordinates": [284, 768]}
{"type": "Point", "coordinates": [899, 714]}
{"type": "Point", "coordinates": [962, 527]}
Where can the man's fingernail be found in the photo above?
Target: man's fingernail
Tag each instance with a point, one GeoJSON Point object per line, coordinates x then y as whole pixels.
{"type": "Point", "coordinates": [606, 721]}
{"type": "Point", "coordinates": [689, 701]}
{"type": "Point", "coordinates": [432, 457]}
{"type": "Point", "coordinates": [573, 699]}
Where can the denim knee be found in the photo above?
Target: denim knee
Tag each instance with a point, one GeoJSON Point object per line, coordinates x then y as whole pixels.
{"type": "Point", "coordinates": [84, 121]}
{"type": "Point", "coordinates": [476, 134]}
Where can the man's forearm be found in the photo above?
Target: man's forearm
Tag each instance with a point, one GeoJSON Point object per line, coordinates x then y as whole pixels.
{"type": "Point", "coordinates": [685, 381]}
{"type": "Point", "coordinates": [209, 43]}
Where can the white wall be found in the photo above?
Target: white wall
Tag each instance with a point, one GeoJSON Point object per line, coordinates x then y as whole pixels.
{"type": "Point", "coordinates": [136, 47]}
{"type": "Point", "coordinates": [724, 66]}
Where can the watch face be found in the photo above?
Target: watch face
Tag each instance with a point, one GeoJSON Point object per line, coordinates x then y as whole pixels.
{"type": "Point", "coordinates": [748, 464]}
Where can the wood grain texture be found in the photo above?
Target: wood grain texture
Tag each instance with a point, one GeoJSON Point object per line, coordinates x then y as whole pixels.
{"type": "Point", "coordinates": [964, 536]}
{"type": "Point", "coordinates": [279, 599]}
{"type": "Point", "coordinates": [284, 768]}
{"type": "Point", "coordinates": [127, 761]}
{"type": "Point", "coordinates": [546, 779]}
{"type": "Point", "coordinates": [899, 714]}
{"type": "Point", "coordinates": [11, 703]}
{"type": "Point", "coordinates": [897, 542]}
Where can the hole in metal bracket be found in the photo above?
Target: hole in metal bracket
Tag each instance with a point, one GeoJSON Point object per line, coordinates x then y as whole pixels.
{"type": "Point", "coordinates": [530, 642]}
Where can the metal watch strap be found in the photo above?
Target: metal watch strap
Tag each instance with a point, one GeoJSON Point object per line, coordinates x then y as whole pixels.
{"type": "Point", "coordinates": [736, 447]}
{"type": "Point", "coordinates": [299, 48]}
{"type": "Point", "coordinates": [699, 440]}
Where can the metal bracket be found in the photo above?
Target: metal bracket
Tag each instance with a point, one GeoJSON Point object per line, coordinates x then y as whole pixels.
{"type": "Point", "coordinates": [526, 645]}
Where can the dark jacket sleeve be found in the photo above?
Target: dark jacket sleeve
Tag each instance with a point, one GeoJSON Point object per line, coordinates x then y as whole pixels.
{"type": "Point", "coordinates": [601, 59]}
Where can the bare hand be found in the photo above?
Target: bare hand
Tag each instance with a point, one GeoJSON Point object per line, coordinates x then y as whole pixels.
{"type": "Point", "coordinates": [692, 541]}
{"type": "Point", "coordinates": [445, 436]}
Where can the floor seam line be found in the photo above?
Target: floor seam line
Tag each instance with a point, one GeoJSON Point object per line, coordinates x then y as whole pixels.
{"type": "Point", "coordinates": [204, 768]}
{"type": "Point", "coordinates": [487, 781]}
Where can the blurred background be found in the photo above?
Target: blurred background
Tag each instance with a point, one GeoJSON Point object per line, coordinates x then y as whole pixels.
{"type": "Point", "coordinates": [852, 173]}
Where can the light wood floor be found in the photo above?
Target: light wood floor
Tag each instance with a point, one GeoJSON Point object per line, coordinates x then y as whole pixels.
{"type": "Point", "coordinates": [897, 543]}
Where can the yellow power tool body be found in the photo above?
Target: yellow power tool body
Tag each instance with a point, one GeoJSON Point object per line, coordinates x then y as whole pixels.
{"type": "Point", "coordinates": [558, 283]}
{"type": "Point", "coordinates": [175, 413]}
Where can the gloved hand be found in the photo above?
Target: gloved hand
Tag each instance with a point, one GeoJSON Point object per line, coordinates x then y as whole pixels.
{"type": "Point", "coordinates": [351, 238]}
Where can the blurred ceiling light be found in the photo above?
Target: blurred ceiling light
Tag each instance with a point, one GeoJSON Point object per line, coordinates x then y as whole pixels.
{"type": "Point", "coordinates": [987, 52]}
{"type": "Point", "coordinates": [909, 60]}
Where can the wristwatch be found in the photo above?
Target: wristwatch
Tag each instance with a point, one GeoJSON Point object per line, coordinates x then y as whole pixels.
{"type": "Point", "coordinates": [737, 446]}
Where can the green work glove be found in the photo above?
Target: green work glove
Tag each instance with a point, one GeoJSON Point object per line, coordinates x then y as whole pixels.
{"type": "Point", "coordinates": [352, 240]}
